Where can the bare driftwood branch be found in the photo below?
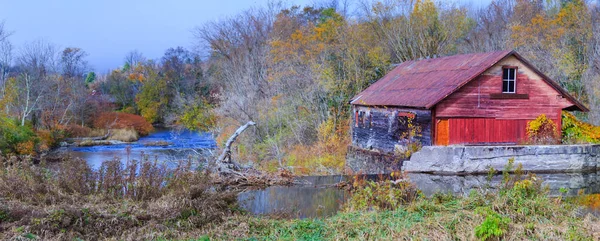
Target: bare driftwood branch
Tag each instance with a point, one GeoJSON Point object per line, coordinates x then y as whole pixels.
{"type": "Point", "coordinates": [224, 163]}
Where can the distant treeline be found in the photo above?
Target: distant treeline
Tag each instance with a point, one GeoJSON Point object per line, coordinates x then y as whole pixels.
{"type": "Point", "coordinates": [293, 69]}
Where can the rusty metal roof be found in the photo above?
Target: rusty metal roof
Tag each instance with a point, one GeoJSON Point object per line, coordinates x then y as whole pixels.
{"type": "Point", "coordinates": [424, 83]}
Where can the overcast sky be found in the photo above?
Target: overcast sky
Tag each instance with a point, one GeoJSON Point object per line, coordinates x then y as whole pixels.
{"type": "Point", "coordinates": [108, 29]}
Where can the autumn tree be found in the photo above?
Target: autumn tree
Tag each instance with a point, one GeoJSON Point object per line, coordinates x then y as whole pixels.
{"type": "Point", "coordinates": [416, 29]}
{"type": "Point", "coordinates": [153, 97]}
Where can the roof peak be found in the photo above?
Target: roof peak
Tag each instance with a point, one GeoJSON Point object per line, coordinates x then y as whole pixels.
{"type": "Point", "coordinates": [438, 57]}
{"type": "Point", "coordinates": [423, 83]}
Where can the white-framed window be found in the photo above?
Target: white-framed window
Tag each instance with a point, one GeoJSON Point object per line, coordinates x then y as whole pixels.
{"type": "Point", "coordinates": [509, 80]}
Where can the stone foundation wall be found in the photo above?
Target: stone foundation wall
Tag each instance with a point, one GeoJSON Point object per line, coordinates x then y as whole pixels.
{"type": "Point", "coordinates": [573, 183]}
{"type": "Point", "coordinates": [454, 160]}
{"type": "Point", "coordinates": [371, 162]}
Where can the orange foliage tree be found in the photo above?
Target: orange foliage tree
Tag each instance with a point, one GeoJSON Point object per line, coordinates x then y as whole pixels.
{"type": "Point", "coordinates": [117, 120]}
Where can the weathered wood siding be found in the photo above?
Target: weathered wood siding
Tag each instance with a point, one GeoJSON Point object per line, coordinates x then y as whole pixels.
{"type": "Point", "coordinates": [382, 128]}
{"type": "Point", "coordinates": [474, 99]}
{"type": "Point", "coordinates": [479, 113]}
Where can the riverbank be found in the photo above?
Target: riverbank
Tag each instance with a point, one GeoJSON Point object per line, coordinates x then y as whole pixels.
{"type": "Point", "coordinates": [116, 202]}
{"type": "Point", "coordinates": [520, 209]}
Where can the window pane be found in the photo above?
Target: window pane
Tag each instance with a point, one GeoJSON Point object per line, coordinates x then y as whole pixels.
{"type": "Point", "coordinates": [504, 86]}
{"type": "Point", "coordinates": [511, 74]}
{"type": "Point", "coordinates": [511, 86]}
{"type": "Point", "coordinates": [504, 73]}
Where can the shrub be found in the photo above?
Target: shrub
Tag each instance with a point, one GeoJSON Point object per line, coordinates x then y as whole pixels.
{"type": "Point", "coordinates": [494, 226]}
{"type": "Point", "coordinates": [199, 117]}
{"type": "Point", "coordinates": [410, 142]}
{"type": "Point", "coordinates": [50, 138]}
{"type": "Point", "coordinates": [382, 195]}
{"type": "Point", "coordinates": [116, 120]}
{"type": "Point", "coordinates": [542, 131]}
{"type": "Point", "coordinates": [327, 155]}
{"type": "Point", "coordinates": [576, 131]}
{"type": "Point", "coordinates": [16, 139]}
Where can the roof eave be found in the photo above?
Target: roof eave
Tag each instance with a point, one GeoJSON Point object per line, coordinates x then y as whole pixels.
{"type": "Point", "coordinates": [393, 106]}
{"type": "Point", "coordinates": [554, 85]}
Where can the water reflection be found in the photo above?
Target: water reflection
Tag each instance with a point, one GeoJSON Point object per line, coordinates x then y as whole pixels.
{"type": "Point", "coordinates": [318, 199]}
{"type": "Point", "coordinates": [323, 199]}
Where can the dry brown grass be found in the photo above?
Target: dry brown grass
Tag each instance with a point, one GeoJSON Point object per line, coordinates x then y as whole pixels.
{"type": "Point", "coordinates": [158, 143]}
{"type": "Point", "coordinates": [125, 135]}
{"type": "Point", "coordinates": [93, 143]}
{"type": "Point", "coordinates": [97, 132]}
{"type": "Point", "coordinates": [139, 201]}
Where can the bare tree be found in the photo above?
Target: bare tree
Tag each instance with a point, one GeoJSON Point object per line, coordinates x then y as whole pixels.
{"type": "Point", "coordinates": [73, 63]}
{"type": "Point", "coordinates": [4, 33]}
{"type": "Point", "coordinates": [6, 52]}
{"type": "Point", "coordinates": [415, 29]}
{"type": "Point", "coordinates": [37, 63]}
{"type": "Point", "coordinates": [239, 49]}
{"type": "Point", "coordinates": [592, 75]}
{"type": "Point", "coordinates": [134, 58]}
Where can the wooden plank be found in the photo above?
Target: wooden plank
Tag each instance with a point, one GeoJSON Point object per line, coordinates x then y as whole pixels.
{"type": "Point", "coordinates": [508, 96]}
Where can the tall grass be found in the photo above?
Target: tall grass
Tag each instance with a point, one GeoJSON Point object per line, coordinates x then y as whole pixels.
{"type": "Point", "coordinates": [518, 209]}
{"type": "Point", "coordinates": [125, 135]}
{"type": "Point", "coordinates": [138, 200]}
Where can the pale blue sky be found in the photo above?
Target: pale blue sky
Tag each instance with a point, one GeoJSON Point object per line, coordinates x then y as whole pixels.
{"type": "Point", "coordinates": [108, 29]}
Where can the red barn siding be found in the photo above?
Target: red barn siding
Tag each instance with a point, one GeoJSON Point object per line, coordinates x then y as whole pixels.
{"type": "Point", "coordinates": [473, 100]}
{"type": "Point", "coordinates": [476, 117]}
{"type": "Point", "coordinates": [487, 130]}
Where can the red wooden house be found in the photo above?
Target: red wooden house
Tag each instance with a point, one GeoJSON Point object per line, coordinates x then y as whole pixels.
{"type": "Point", "coordinates": [480, 98]}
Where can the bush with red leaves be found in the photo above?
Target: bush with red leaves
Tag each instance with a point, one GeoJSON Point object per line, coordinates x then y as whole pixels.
{"type": "Point", "coordinates": [118, 120]}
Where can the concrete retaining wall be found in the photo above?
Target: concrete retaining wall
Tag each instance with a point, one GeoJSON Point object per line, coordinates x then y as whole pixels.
{"type": "Point", "coordinates": [479, 159]}
{"type": "Point", "coordinates": [573, 183]}
{"type": "Point", "coordinates": [371, 162]}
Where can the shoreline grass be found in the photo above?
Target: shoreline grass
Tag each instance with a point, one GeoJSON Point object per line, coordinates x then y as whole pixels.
{"type": "Point", "coordinates": [71, 201]}
{"type": "Point", "coordinates": [520, 208]}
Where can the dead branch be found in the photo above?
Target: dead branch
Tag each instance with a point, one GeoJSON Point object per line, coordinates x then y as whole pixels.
{"type": "Point", "coordinates": [224, 163]}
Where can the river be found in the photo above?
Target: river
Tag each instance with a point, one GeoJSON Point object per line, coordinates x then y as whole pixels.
{"type": "Point", "coordinates": [182, 145]}
{"type": "Point", "coordinates": [318, 197]}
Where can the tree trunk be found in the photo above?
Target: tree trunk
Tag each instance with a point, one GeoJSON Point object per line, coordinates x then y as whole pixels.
{"type": "Point", "coordinates": [224, 163]}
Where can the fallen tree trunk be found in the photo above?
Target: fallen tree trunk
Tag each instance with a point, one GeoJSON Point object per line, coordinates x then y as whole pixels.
{"type": "Point", "coordinates": [224, 163]}
{"type": "Point", "coordinates": [231, 174]}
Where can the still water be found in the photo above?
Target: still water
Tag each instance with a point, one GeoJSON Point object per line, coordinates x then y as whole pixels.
{"type": "Point", "coordinates": [321, 198]}
{"type": "Point", "coordinates": [318, 197]}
